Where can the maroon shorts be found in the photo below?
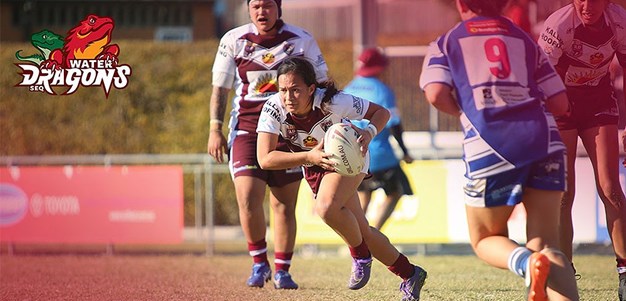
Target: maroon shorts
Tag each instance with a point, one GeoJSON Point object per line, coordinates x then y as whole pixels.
{"type": "Point", "coordinates": [589, 112]}
{"type": "Point", "coordinates": [243, 162]}
{"type": "Point", "coordinates": [314, 175]}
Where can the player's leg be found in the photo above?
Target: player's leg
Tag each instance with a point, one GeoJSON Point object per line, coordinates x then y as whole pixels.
{"type": "Point", "coordinates": [389, 205]}
{"type": "Point", "coordinates": [365, 196]}
{"type": "Point", "coordinates": [489, 238]}
{"type": "Point", "coordinates": [542, 211]}
{"type": "Point", "coordinates": [566, 226]}
{"type": "Point", "coordinates": [250, 192]}
{"type": "Point", "coordinates": [603, 148]}
{"type": "Point", "coordinates": [334, 191]}
{"type": "Point", "coordinates": [396, 184]}
{"type": "Point", "coordinates": [334, 194]}
{"type": "Point", "coordinates": [250, 182]}
{"type": "Point", "coordinates": [283, 197]}
{"type": "Point", "coordinates": [381, 248]}
{"type": "Point", "coordinates": [488, 214]}
{"type": "Point", "coordinates": [489, 234]}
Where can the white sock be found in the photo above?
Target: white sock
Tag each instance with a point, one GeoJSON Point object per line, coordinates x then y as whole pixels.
{"type": "Point", "coordinates": [518, 261]}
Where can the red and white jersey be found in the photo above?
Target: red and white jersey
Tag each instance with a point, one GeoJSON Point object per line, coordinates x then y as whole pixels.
{"type": "Point", "coordinates": [253, 59]}
{"type": "Point", "coordinates": [304, 133]}
{"type": "Point", "coordinates": [583, 54]}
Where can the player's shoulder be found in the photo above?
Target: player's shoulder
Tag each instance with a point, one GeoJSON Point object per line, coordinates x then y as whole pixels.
{"type": "Point", "coordinates": [238, 32]}
{"type": "Point", "coordinates": [274, 101]}
{"type": "Point", "coordinates": [274, 107]}
{"type": "Point", "coordinates": [562, 18]}
{"type": "Point", "coordinates": [616, 9]}
{"type": "Point", "coordinates": [617, 16]}
{"type": "Point", "coordinates": [341, 100]}
{"type": "Point", "coordinates": [299, 31]}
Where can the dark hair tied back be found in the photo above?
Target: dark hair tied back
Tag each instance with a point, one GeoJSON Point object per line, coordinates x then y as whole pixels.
{"type": "Point", "coordinates": [489, 8]}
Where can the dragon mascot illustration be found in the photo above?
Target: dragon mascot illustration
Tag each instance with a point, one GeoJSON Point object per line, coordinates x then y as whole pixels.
{"type": "Point", "coordinates": [45, 41]}
{"type": "Point", "coordinates": [89, 40]}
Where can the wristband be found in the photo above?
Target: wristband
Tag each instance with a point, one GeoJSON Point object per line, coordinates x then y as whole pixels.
{"type": "Point", "coordinates": [217, 121]}
{"type": "Point", "coordinates": [372, 130]}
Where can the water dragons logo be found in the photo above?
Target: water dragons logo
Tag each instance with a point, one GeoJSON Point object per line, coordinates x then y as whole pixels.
{"type": "Point", "coordinates": [84, 57]}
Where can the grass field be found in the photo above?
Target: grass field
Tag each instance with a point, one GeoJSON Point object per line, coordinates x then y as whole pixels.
{"type": "Point", "coordinates": [197, 277]}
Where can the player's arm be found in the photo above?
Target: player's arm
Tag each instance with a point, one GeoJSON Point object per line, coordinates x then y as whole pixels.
{"type": "Point", "coordinates": [271, 159]}
{"type": "Point", "coordinates": [378, 117]}
{"type": "Point", "coordinates": [440, 96]}
{"type": "Point", "coordinates": [397, 131]}
{"type": "Point", "coordinates": [216, 145]}
{"type": "Point", "coordinates": [558, 104]}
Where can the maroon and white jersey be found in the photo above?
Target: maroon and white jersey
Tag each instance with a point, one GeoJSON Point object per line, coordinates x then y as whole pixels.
{"type": "Point", "coordinates": [303, 134]}
{"type": "Point", "coordinates": [583, 54]}
{"type": "Point", "coordinates": [252, 60]}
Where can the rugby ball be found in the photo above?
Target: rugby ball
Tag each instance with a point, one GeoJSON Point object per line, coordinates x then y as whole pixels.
{"type": "Point", "coordinates": [340, 141]}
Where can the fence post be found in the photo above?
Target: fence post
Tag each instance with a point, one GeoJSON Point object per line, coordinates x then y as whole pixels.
{"type": "Point", "coordinates": [208, 193]}
{"type": "Point", "coordinates": [197, 196]}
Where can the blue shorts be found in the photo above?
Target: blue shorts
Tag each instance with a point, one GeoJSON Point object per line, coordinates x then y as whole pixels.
{"type": "Point", "coordinates": [507, 188]}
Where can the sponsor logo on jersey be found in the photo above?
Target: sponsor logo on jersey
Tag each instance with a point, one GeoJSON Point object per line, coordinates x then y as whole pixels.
{"type": "Point", "coordinates": [357, 104]}
{"type": "Point", "coordinates": [262, 84]}
{"type": "Point", "coordinates": [272, 110]}
{"type": "Point", "coordinates": [550, 37]}
{"type": "Point", "coordinates": [486, 26]}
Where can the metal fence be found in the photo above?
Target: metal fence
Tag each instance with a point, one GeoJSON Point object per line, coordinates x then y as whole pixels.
{"type": "Point", "coordinates": [201, 166]}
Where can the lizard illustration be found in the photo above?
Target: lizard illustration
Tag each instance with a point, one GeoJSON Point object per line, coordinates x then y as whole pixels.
{"type": "Point", "coordinates": [87, 41]}
{"type": "Point", "coordinates": [45, 41]}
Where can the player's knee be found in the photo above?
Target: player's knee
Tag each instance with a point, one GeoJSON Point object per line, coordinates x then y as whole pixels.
{"type": "Point", "coordinates": [325, 209]}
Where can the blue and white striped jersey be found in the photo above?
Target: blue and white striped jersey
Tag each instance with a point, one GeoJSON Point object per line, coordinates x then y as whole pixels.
{"type": "Point", "coordinates": [501, 79]}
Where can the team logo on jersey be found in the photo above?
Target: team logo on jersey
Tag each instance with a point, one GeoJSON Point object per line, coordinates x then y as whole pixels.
{"type": "Point", "coordinates": [310, 141]}
{"type": "Point", "coordinates": [577, 48]}
{"type": "Point", "coordinates": [249, 48]}
{"type": "Point", "coordinates": [84, 57]}
{"type": "Point", "coordinates": [326, 125]}
{"type": "Point", "coordinates": [596, 58]}
{"type": "Point", "coordinates": [288, 48]}
{"type": "Point", "coordinates": [268, 58]}
{"type": "Point", "coordinates": [291, 132]}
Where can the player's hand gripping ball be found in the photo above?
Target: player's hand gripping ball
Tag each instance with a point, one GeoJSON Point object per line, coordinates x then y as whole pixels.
{"type": "Point", "coordinates": [340, 141]}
